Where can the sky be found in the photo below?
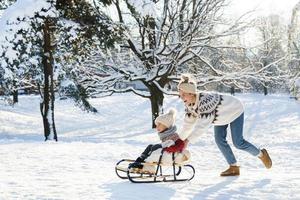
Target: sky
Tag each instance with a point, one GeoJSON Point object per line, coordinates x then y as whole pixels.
{"type": "Point", "coordinates": [237, 8]}
{"type": "Point", "coordinates": [264, 7]}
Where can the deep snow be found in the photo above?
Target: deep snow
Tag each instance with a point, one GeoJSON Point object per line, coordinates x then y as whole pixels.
{"type": "Point", "coordinates": [81, 164]}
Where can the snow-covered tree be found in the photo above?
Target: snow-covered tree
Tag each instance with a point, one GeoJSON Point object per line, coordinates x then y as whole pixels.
{"type": "Point", "coordinates": [160, 38]}
{"type": "Point", "coordinates": [293, 60]}
{"type": "Point", "coordinates": [270, 55]}
{"type": "Point", "coordinates": [6, 3]}
{"type": "Point", "coordinates": [87, 30]}
{"type": "Point", "coordinates": [43, 42]}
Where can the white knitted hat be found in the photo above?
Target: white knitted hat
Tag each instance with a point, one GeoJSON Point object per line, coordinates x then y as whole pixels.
{"type": "Point", "coordinates": [187, 84]}
{"type": "Point", "coordinates": [167, 119]}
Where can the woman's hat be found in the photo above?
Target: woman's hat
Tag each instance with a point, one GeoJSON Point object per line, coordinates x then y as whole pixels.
{"type": "Point", "coordinates": [187, 84]}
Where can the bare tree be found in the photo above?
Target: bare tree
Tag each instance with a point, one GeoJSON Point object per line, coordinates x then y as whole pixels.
{"type": "Point", "coordinates": [161, 37]}
{"type": "Point", "coordinates": [293, 60]}
{"type": "Point", "coordinates": [271, 51]}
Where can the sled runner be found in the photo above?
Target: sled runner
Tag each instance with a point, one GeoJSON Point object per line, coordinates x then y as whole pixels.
{"type": "Point", "coordinates": [162, 173]}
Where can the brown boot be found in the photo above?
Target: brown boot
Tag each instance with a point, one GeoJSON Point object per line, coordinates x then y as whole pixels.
{"type": "Point", "coordinates": [231, 171]}
{"type": "Point", "coordinates": [265, 158]}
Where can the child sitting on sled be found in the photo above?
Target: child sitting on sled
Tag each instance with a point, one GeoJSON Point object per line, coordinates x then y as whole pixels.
{"type": "Point", "coordinates": [170, 143]}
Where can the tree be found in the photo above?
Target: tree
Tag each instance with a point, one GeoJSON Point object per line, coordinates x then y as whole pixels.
{"type": "Point", "coordinates": [293, 61]}
{"type": "Point", "coordinates": [6, 3]}
{"type": "Point", "coordinates": [232, 64]}
{"type": "Point", "coordinates": [161, 37]}
{"type": "Point", "coordinates": [271, 50]}
{"type": "Point", "coordinates": [33, 30]}
{"type": "Point", "coordinates": [44, 33]}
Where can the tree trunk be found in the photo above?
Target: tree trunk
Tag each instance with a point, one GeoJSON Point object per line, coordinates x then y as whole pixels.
{"type": "Point", "coordinates": [52, 105]}
{"type": "Point", "coordinates": [15, 96]}
{"type": "Point", "coordinates": [181, 18]}
{"type": "Point", "coordinates": [47, 103]}
{"type": "Point", "coordinates": [15, 93]}
{"type": "Point", "coordinates": [232, 90]}
{"type": "Point", "coordinates": [265, 90]}
{"type": "Point", "coordinates": [157, 98]}
{"type": "Point", "coordinates": [151, 32]}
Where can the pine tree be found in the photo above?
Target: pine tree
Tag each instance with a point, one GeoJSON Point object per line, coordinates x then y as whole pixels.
{"type": "Point", "coordinates": [57, 39]}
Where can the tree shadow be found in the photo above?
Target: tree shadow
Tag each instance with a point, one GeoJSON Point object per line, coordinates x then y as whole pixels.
{"type": "Point", "coordinates": [214, 192]}
{"type": "Point", "coordinates": [203, 194]}
{"type": "Point", "coordinates": [247, 189]}
{"type": "Point", "coordinates": [127, 190]}
{"type": "Point", "coordinates": [6, 138]}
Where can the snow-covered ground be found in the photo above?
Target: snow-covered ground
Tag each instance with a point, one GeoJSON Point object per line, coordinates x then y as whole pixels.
{"type": "Point", "coordinates": [81, 164]}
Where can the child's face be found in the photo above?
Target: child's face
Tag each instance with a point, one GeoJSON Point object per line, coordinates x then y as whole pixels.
{"type": "Point", "coordinates": [160, 127]}
{"type": "Point", "coordinates": [187, 98]}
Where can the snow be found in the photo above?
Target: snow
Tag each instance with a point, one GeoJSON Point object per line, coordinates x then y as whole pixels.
{"type": "Point", "coordinates": [25, 9]}
{"type": "Point", "coordinates": [10, 23]}
{"type": "Point", "coordinates": [144, 7]}
{"type": "Point", "coordinates": [81, 164]}
{"type": "Point", "coordinates": [297, 82]}
{"type": "Point", "coordinates": [20, 10]}
{"type": "Point", "coordinates": [67, 83]}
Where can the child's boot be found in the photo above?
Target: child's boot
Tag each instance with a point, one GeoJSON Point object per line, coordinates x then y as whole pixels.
{"type": "Point", "coordinates": [265, 158]}
{"type": "Point", "coordinates": [140, 159]}
{"type": "Point", "coordinates": [231, 171]}
{"type": "Point", "coordinates": [137, 163]}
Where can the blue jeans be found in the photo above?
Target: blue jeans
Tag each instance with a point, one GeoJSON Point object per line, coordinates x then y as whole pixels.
{"type": "Point", "coordinates": [239, 142]}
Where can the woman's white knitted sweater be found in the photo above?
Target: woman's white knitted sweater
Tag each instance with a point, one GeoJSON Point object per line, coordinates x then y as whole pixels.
{"type": "Point", "coordinates": [209, 108]}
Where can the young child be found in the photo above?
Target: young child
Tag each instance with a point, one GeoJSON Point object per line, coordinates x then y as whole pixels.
{"type": "Point", "coordinates": [170, 143]}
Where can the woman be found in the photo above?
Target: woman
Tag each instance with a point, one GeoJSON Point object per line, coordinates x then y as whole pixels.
{"type": "Point", "coordinates": [203, 109]}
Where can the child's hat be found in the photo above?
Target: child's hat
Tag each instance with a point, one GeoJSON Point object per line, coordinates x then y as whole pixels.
{"type": "Point", "coordinates": [187, 84]}
{"type": "Point", "coordinates": [167, 119]}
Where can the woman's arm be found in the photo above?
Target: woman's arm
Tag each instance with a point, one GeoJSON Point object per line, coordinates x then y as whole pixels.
{"type": "Point", "coordinates": [187, 127]}
{"type": "Point", "coordinates": [201, 126]}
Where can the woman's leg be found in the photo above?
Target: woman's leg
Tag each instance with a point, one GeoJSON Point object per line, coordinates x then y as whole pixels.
{"type": "Point", "coordinates": [220, 138]}
{"type": "Point", "coordinates": [237, 136]}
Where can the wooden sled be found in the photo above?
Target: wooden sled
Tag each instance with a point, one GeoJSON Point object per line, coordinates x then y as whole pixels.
{"type": "Point", "coordinates": [163, 173]}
